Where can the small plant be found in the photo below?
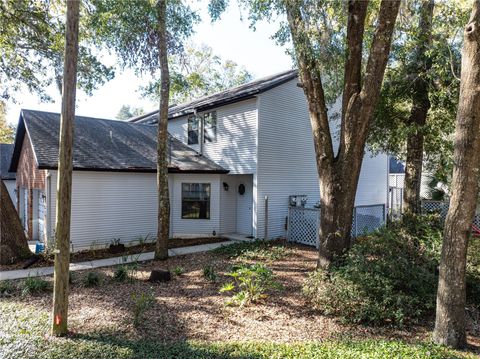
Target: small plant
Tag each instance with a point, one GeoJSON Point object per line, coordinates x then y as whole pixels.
{"type": "Point", "coordinates": [92, 279]}
{"type": "Point", "coordinates": [32, 286]}
{"type": "Point", "coordinates": [209, 273]}
{"type": "Point", "coordinates": [6, 288]}
{"type": "Point", "coordinates": [251, 284]}
{"type": "Point", "coordinates": [178, 270]}
{"type": "Point", "coordinates": [141, 302]}
{"type": "Point", "coordinates": [115, 242]}
{"type": "Point", "coordinates": [143, 240]}
{"type": "Point", "coordinates": [256, 250]}
{"type": "Point", "coordinates": [121, 273]}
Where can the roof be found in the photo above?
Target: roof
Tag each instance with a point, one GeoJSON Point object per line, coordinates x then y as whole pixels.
{"type": "Point", "coordinates": [231, 95]}
{"type": "Point", "coordinates": [105, 145]}
{"type": "Point", "coordinates": [6, 151]}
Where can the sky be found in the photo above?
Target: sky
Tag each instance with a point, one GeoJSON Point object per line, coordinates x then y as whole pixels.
{"type": "Point", "coordinates": [230, 38]}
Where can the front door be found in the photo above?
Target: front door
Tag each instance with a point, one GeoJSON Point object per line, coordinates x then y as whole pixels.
{"type": "Point", "coordinates": [244, 193]}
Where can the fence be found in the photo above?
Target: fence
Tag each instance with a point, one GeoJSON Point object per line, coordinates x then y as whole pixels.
{"type": "Point", "coordinates": [441, 207]}
{"type": "Point", "coordinates": [304, 223]}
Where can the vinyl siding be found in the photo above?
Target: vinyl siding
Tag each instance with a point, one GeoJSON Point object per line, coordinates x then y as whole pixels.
{"type": "Point", "coordinates": [107, 205]}
{"type": "Point", "coordinates": [235, 148]}
{"type": "Point", "coordinates": [286, 159]}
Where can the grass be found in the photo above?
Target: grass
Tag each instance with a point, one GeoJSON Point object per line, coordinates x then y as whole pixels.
{"type": "Point", "coordinates": [24, 328]}
{"type": "Point", "coordinates": [256, 250]}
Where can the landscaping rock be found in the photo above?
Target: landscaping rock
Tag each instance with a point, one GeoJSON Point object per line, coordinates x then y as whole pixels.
{"type": "Point", "coordinates": [160, 275]}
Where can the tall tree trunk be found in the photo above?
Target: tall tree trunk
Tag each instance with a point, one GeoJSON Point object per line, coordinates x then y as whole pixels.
{"type": "Point", "coordinates": [450, 317]}
{"type": "Point", "coordinates": [420, 106]}
{"type": "Point", "coordinates": [13, 243]}
{"type": "Point", "coordinates": [65, 164]}
{"type": "Point", "coordinates": [339, 174]}
{"type": "Point", "coordinates": [161, 248]}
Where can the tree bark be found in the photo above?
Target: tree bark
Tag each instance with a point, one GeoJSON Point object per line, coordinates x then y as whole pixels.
{"type": "Point", "coordinates": [451, 297]}
{"type": "Point", "coordinates": [161, 247]}
{"type": "Point", "coordinates": [65, 165]}
{"type": "Point", "coordinates": [13, 243]}
{"type": "Point", "coordinates": [420, 106]}
{"type": "Point", "coordinates": [338, 174]}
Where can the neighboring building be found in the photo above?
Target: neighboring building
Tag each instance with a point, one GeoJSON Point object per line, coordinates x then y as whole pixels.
{"type": "Point", "coordinates": [229, 151]}
{"type": "Point", "coordinates": [6, 151]}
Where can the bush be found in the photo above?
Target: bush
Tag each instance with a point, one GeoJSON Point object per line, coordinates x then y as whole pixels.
{"type": "Point", "coordinates": [388, 277]}
{"type": "Point", "coordinates": [209, 273]}
{"type": "Point", "coordinates": [33, 286]}
{"type": "Point", "coordinates": [142, 302]}
{"type": "Point", "coordinates": [121, 273]}
{"type": "Point", "coordinates": [92, 279]}
{"type": "Point", "coordinates": [178, 270]}
{"type": "Point", "coordinates": [251, 282]}
{"type": "Point", "coordinates": [6, 288]}
{"type": "Point", "coordinates": [256, 250]}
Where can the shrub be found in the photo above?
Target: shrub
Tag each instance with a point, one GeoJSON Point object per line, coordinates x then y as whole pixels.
{"type": "Point", "coordinates": [33, 286]}
{"type": "Point", "coordinates": [141, 302]}
{"type": "Point", "coordinates": [209, 273]}
{"type": "Point", "coordinates": [121, 273]}
{"type": "Point", "coordinates": [388, 277]}
{"type": "Point", "coordinates": [6, 288]}
{"type": "Point", "coordinates": [256, 250]}
{"type": "Point", "coordinates": [92, 279]}
{"type": "Point", "coordinates": [251, 282]}
{"type": "Point", "coordinates": [178, 270]}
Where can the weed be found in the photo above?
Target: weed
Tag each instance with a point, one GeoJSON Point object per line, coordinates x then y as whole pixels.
{"type": "Point", "coordinates": [209, 273]}
{"type": "Point", "coordinates": [178, 270]}
{"type": "Point", "coordinates": [6, 288]}
{"type": "Point", "coordinates": [33, 286]}
{"type": "Point", "coordinates": [92, 279]}
{"type": "Point", "coordinates": [141, 302]}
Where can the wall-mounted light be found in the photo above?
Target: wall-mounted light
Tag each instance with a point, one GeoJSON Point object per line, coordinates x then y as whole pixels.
{"type": "Point", "coordinates": [225, 186]}
{"type": "Point", "coordinates": [241, 189]}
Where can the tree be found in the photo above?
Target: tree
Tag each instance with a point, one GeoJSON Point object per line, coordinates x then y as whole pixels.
{"type": "Point", "coordinates": [197, 72]}
{"type": "Point", "coordinates": [127, 112]}
{"type": "Point", "coordinates": [311, 25]}
{"type": "Point", "coordinates": [450, 315]}
{"type": "Point", "coordinates": [7, 132]}
{"type": "Point", "coordinates": [65, 166]}
{"type": "Point", "coordinates": [143, 34]}
{"type": "Point", "coordinates": [415, 116]}
{"type": "Point", "coordinates": [13, 243]}
{"type": "Point", "coordinates": [32, 35]}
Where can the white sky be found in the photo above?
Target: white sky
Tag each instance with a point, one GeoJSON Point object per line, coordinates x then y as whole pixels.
{"type": "Point", "coordinates": [229, 37]}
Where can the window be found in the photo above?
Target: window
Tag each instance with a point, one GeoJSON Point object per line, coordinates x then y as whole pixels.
{"type": "Point", "coordinates": [210, 127]}
{"type": "Point", "coordinates": [193, 130]}
{"type": "Point", "coordinates": [196, 200]}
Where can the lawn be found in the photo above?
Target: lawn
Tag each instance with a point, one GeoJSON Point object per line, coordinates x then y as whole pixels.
{"type": "Point", "coordinates": [188, 317]}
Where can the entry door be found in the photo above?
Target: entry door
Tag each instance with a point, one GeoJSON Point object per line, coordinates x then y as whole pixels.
{"type": "Point", "coordinates": [244, 205]}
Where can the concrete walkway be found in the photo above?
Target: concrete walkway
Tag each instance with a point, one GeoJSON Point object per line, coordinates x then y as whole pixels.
{"type": "Point", "coordinates": [107, 262]}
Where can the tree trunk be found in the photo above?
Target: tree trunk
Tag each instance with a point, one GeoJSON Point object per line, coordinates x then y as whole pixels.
{"type": "Point", "coordinates": [13, 243]}
{"type": "Point", "coordinates": [339, 174]}
{"type": "Point", "coordinates": [420, 106]}
{"type": "Point", "coordinates": [65, 164]}
{"type": "Point", "coordinates": [450, 317]}
{"type": "Point", "coordinates": [161, 248]}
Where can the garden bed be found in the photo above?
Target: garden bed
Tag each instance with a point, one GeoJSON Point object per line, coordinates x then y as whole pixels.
{"type": "Point", "coordinates": [190, 310]}
{"type": "Point", "coordinates": [88, 255]}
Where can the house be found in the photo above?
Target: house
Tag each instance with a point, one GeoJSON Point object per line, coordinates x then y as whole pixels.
{"type": "Point", "coordinates": [228, 153]}
{"type": "Point", "coordinates": [7, 177]}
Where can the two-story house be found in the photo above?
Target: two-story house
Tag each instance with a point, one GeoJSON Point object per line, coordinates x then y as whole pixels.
{"type": "Point", "coordinates": [228, 152]}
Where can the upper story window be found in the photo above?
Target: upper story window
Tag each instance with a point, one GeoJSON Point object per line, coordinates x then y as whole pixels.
{"type": "Point", "coordinates": [193, 130]}
{"type": "Point", "coordinates": [196, 200]}
{"type": "Point", "coordinates": [210, 127]}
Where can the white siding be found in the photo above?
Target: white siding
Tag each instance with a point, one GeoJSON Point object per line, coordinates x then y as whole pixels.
{"type": "Point", "coordinates": [11, 186]}
{"type": "Point", "coordinates": [108, 205]}
{"type": "Point", "coordinates": [235, 148]}
{"type": "Point", "coordinates": [286, 159]}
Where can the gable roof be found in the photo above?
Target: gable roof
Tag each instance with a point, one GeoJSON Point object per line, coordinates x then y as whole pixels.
{"type": "Point", "coordinates": [105, 145]}
{"type": "Point", "coordinates": [6, 151]}
{"type": "Point", "coordinates": [231, 95]}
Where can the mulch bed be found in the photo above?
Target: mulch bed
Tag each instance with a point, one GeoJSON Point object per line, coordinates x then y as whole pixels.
{"type": "Point", "coordinates": [88, 255]}
{"type": "Point", "coordinates": [190, 307]}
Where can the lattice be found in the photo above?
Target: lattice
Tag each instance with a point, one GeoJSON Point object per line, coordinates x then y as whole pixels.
{"type": "Point", "coordinates": [304, 225]}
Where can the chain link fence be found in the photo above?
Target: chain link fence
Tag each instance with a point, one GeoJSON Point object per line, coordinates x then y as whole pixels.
{"type": "Point", "coordinates": [304, 223]}
{"type": "Point", "coordinates": [441, 207]}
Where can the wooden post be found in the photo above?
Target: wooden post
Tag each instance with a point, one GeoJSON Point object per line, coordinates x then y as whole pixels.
{"type": "Point", "coordinates": [266, 218]}
{"type": "Point", "coordinates": [65, 165]}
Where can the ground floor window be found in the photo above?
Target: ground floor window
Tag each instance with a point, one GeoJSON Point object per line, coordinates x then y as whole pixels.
{"type": "Point", "coordinates": [196, 200]}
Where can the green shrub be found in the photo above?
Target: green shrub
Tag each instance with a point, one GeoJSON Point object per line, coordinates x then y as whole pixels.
{"type": "Point", "coordinates": [6, 288]}
{"type": "Point", "coordinates": [209, 273]}
{"type": "Point", "coordinates": [388, 277]}
{"type": "Point", "coordinates": [121, 273]}
{"type": "Point", "coordinates": [255, 250]}
{"type": "Point", "coordinates": [33, 286]}
{"type": "Point", "coordinates": [178, 270]}
{"type": "Point", "coordinates": [92, 279]}
{"type": "Point", "coordinates": [141, 302]}
{"type": "Point", "coordinates": [251, 283]}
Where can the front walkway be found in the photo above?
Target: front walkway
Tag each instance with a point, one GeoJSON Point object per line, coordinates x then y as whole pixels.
{"type": "Point", "coordinates": [107, 262]}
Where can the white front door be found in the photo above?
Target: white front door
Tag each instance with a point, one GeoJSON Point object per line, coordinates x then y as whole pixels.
{"type": "Point", "coordinates": [42, 212]}
{"type": "Point", "coordinates": [244, 193]}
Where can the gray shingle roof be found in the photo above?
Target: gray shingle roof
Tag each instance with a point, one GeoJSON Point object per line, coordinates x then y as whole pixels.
{"type": "Point", "coordinates": [105, 145]}
{"type": "Point", "coordinates": [6, 151]}
{"type": "Point", "coordinates": [234, 94]}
